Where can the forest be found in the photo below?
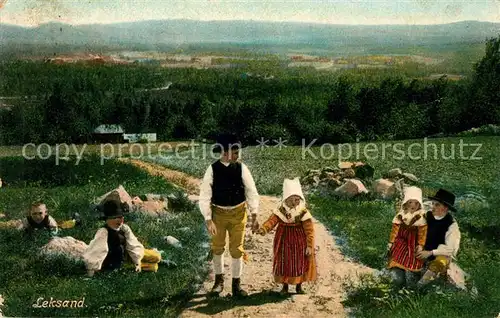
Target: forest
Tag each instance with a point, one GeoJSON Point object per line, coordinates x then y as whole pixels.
{"type": "Point", "coordinates": [65, 103]}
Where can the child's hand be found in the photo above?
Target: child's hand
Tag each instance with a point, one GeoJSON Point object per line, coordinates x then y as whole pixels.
{"type": "Point", "coordinates": [419, 249]}
{"type": "Point", "coordinates": [309, 251]}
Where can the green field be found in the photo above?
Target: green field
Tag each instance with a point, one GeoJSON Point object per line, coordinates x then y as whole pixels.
{"type": "Point", "coordinates": [68, 188]}
{"type": "Point", "coordinates": [361, 226]}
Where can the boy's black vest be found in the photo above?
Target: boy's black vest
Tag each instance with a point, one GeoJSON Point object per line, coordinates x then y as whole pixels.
{"type": "Point", "coordinates": [436, 231]}
{"type": "Point", "coordinates": [42, 225]}
{"type": "Point", "coordinates": [227, 186]}
{"type": "Point", "coordinates": [116, 249]}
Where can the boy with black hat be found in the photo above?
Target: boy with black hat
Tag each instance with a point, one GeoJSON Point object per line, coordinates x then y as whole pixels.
{"type": "Point", "coordinates": [443, 236]}
{"type": "Point", "coordinates": [227, 188]}
{"type": "Point", "coordinates": [115, 243]}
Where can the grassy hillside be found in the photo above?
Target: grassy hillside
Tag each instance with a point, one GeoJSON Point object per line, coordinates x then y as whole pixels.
{"type": "Point", "coordinates": [25, 277]}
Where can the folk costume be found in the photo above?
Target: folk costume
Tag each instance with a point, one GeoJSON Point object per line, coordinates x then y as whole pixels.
{"type": "Point", "coordinates": [111, 248]}
{"type": "Point", "coordinates": [443, 238]}
{"type": "Point", "coordinates": [409, 230]}
{"type": "Point", "coordinates": [226, 192]}
{"type": "Point", "coordinates": [294, 233]}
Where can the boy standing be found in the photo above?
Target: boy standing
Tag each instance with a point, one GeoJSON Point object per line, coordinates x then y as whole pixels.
{"type": "Point", "coordinates": [227, 188]}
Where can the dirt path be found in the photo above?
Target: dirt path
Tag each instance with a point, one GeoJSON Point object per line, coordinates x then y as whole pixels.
{"type": "Point", "coordinates": [323, 298]}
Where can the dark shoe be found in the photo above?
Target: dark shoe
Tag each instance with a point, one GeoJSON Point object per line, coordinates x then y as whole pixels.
{"type": "Point", "coordinates": [299, 290]}
{"type": "Point", "coordinates": [237, 291]}
{"type": "Point", "coordinates": [219, 284]}
{"type": "Point", "coordinates": [284, 290]}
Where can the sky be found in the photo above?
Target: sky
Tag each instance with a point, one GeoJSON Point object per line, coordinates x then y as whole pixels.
{"type": "Point", "coordinates": [35, 12]}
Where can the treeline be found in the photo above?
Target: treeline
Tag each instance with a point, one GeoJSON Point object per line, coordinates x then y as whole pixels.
{"type": "Point", "coordinates": [72, 100]}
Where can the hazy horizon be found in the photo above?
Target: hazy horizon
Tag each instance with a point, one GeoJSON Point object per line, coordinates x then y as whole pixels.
{"type": "Point", "coordinates": [31, 13]}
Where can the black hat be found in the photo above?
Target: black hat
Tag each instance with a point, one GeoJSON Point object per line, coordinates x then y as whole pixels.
{"type": "Point", "coordinates": [445, 197]}
{"type": "Point", "coordinates": [113, 209]}
{"type": "Point", "coordinates": [225, 142]}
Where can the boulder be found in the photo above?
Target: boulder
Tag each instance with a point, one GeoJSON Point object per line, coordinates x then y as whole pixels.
{"type": "Point", "coordinates": [66, 246]}
{"type": "Point", "coordinates": [351, 188]}
{"type": "Point", "coordinates": [173, 241]}
{"type": "Point", "coordinates": [384, 188]}
{"type": "Point", "coordinates": [333, 183]}
{"type": "Point", "coordinates": [119, 194]}
{"type": "Point", "coordinates": [316, 180]}
{"type": "Point", "coordinates": [394, 173]}
{"type": "Point", "coordinates": [11, 224]}
{"type": "Point", "coordinates": [154, 208]}
{"type": "Point", "coordinates": [331, 169]}
{"type": "Point", "coordinates": [349, 173]}
{"type": "Point", "coordinates": [456, 276]}
{"type": "Point", "coordinates": [409, 177]}
{"type": "Point", "coordinates": [345, 165]}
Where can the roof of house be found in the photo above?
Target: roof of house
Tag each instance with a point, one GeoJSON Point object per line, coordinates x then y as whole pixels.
{"type": "Point", "coordinates": [109, 129]}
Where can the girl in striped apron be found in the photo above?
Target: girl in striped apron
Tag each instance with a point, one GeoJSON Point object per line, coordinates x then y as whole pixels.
{"type": "Point", "coordinates": [408, 235]}
{"type": "Point", "coordinates": [294, 260]}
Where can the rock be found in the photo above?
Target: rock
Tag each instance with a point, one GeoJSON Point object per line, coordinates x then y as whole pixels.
{"type": "Point", "coordinates": [409, 177]}
{"type": "Point", "coordinates": [136, 200]}
{"type": "Point", "coordinates": [384, 188]}
{"type": "Point", "coordinates": [11, 224]}
{"type": "Point", "coordinates": [173, 241]}
{"type": "Point", "coordinates": [2, 215]}
{"type": "Point", "coordinates": [331, 169]}
{"type": "Point", "coordinates": [326, 174]}
{"type": "Point", "coordinates": [358, 164]}
{"type": "Point", "coordinates": [66, 246]}
{"type": "Point", "coordinates": [154, 208]}
{"type": "Point", "coordinates": [193, 198]}
{"type": "Point", "coordinates": [394, 173]}
{"type": "Point", "coordinates": [313, 172]}
{"type": "Point", "coordinates": [316, 181]}
{"type": "Point", "coordinates": [345, 165]}
{"type": "Point", "coordinates": [456, 276]}
{"type": "Point", "coordinates": [333, 183]}
{"type": "Point", "coordinates": [351, 188]}
{"type": "Point", "coordinates": [364, 171]}
{"type": "Point", "coordinates": [349, 173]}
{"type": "Point", "coordinates": [119, 194]}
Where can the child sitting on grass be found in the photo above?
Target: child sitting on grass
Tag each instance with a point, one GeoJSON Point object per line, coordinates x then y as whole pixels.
{"type": "Point", "coordinates": [115, 243]}
{"type": "Point", "coordinates": [294, 259]}
{"type": "Point", "coordinates": [407, 238]}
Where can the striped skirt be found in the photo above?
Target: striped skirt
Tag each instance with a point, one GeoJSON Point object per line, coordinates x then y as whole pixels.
{"type": "Point", "coordinates": [403, 252]}
{"type": "Point", "coordinates": [290, 245]}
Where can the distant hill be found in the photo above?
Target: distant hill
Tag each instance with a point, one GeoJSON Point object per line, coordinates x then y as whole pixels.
{"type": "Point", "coordinates": [178, 32]}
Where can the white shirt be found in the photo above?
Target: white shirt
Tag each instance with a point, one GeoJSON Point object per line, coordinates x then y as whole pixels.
{"type": "Point", "coordinates": [452, 241]}
{"type": "Point", "coordinates": [205, 200]}
{"type": "Point", "coordinates": [97, 249]}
